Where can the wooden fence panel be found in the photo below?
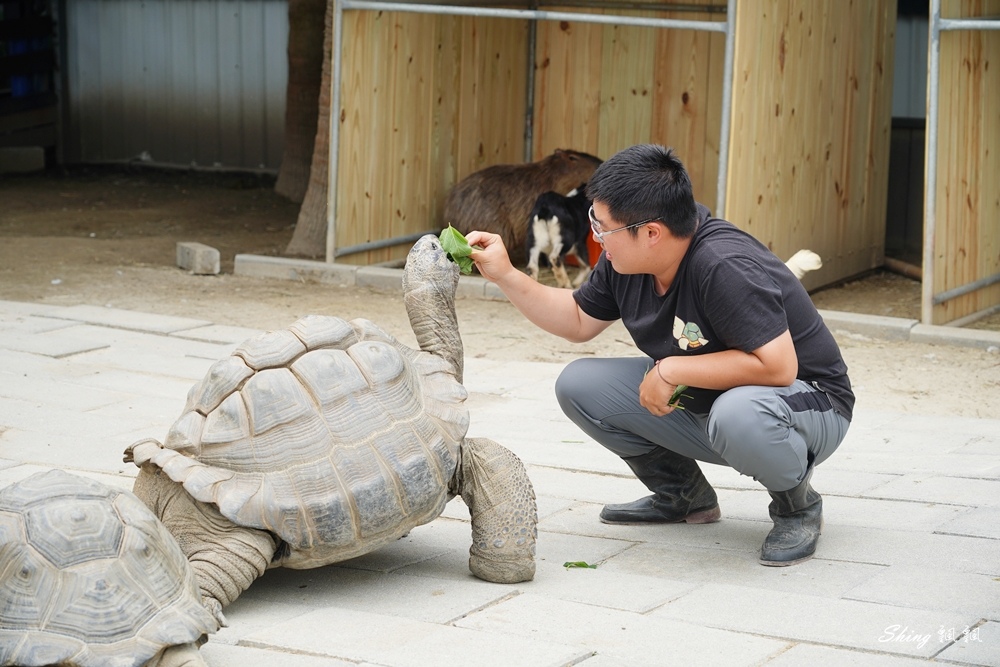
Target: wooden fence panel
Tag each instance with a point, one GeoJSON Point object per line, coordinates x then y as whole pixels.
{"type": "Point", "coordinates": [967, 215]}
{"type": "Point", "coordinates": [811, 127]}
{"type": "Point", "coordinates": [601, 88]}
{"type": "Point", "coordinates": [426, 99]}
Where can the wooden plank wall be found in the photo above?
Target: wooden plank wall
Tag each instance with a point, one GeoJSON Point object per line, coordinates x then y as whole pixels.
{"type": "Point", "coordinates": [811, 128]}
{"type": "Point", "coordinates": [454, 89]}
{"type": "Point", "coordinates": [426, 99]}
{"type": "Point", "coordinates": [967, 227]}
{"type": "Point", "coordinates": [602, 88]}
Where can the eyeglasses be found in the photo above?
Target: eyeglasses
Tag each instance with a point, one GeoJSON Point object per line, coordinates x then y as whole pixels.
{"type": "Point", "coordinates": [595, 225]}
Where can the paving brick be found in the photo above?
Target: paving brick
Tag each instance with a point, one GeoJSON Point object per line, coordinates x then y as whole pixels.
{"type": "Point", "coordinates": [942, 489]}
{"type": "Point", "coordinates": [933, 589]}
{"type": "Point", "coordinates": [131, 383]}
{"type": "Point", "coordinates": [799, 617]}
{"type": "Point", "coordinates": [402, 642]}
{"type": "Point", "coordinates": [727, 534]}
{"type": "Point", "coordinates": [634, 638]}
{"type": "Point", "coordinates": [977, 522]}
{"type": "Point", "coordinates": [24, 325]}
{"type": "Point", "coordinates": [954, 553]}
{"type": "Point", "coordinates": [810, 654]}
{"type": "Point", "coordinates": [198, 258]}
{"type": "Point", "coordinates": [972, 465]}
{"type": "Point", "coordinates": [696, 566]}
{"type": "Point", "coordinates": [978, 645]}
{"type": "Point", "coordinates": [27, 307]}
{"type": "Point", "coordinates": [126, 319]}
{"type": "Point", "coordinates": [41, 390]}
{"type": "Point", "coordinates": [58, 343]}
{"type": "Point", "coordinates": [216, 333]}
{"type": "Point", "coordinates": [221, 655]}
{"type": "Point", "coordinates": [419, 598]}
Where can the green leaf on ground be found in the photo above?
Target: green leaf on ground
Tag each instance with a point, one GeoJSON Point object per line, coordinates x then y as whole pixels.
{"type": "Point", "coordinates": [578, 563]}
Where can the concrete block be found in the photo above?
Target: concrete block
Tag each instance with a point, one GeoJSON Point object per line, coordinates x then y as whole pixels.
{"type": "Point", "coordinates": [890, 328]}
{"type": "Point", "coordinates": [21, 159]}
{"type": "Point", "coordinates": [302, 270]}
{"type": "Point", "coordinates": [380, 278]}
{"type": "Point", "coordinates": [472, 287]}
{"type": "Point", "coordinates": [493, 292]}
{"type": "Point", "coordinates": [198, 258]}
{"type": "Point", "coordinates": [981, 338]}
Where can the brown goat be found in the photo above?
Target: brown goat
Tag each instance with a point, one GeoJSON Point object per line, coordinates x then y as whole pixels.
{"type": "Point", "coordinates": [499, 199]}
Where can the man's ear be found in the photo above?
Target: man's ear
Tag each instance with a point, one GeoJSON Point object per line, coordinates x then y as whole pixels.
{"type": "Point", "coordinates": [655, 233]}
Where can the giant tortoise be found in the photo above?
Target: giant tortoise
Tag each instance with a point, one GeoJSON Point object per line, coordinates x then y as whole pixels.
{"type": "Point", "coordinates": [90, 578]}
{"type": "Point", "coordinates": [329, 439]}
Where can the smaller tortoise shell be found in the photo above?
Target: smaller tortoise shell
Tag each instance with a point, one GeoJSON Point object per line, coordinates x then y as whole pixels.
{"type": "Point", "coordinates": [330, 434]}
{"type": "Point", "coordinates": [90, 577]}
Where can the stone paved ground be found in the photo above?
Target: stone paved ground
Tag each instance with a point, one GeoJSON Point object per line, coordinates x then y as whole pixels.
{"type": "Point", "coordinates": [907, 573]}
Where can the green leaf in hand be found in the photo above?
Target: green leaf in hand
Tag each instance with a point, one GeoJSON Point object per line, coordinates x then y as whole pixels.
{"type": "Point", "coordinates": [457, 248]}
{"type": "Point", "coordinates": [675, 398]}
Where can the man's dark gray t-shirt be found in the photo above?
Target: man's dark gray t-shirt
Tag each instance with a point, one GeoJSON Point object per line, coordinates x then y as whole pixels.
{"type": "Point", "coordinates": [730, 292]}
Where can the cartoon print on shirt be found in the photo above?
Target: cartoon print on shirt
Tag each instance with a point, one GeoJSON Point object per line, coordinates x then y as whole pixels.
{"type": "Point", "coordinates": [688, 334]}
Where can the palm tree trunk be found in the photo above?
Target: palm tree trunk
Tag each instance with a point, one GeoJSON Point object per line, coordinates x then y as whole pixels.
{"type": "Point", "coordinates": [309, 238]}
{"type": "Point", "coordinates": [305, 65]}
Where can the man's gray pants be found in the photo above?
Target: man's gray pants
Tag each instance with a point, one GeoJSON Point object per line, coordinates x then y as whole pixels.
{"type": "Point", "coordinates": [769, 433]}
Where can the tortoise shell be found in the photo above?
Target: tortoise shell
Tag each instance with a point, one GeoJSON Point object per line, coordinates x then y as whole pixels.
{"type": "Point", "coordinates": [330, 434]}
{"type": "Point", "coordinates": [89, 576]}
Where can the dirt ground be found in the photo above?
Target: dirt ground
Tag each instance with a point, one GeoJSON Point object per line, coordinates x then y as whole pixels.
{"type": "Point", "coordinates": [103, 236]}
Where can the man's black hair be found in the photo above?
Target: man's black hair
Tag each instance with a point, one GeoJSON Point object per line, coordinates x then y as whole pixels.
{"type": "Point", "coordinates": [646, 181]}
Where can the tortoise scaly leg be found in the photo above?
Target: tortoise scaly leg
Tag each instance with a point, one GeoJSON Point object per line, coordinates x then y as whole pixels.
{"type": "Point", "coordinates": [225, 557]}
{"type": "Point", "coordinates": [494, 484]}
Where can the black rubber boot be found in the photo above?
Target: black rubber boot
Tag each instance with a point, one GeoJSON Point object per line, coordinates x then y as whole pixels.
{"type": "Point", "coordinates": [798, 521]}
{"type": "Point", "coordinates": [680, 492]}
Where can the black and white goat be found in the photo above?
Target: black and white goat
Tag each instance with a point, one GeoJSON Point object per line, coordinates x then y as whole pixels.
{"type": "Point", "coordinates": [558, 226]}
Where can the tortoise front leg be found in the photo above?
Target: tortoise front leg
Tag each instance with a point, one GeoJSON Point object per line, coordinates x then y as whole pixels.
{"type": "Point", "coordinates": [226, 557]}
{"type": "Point", "coordinates": [494, 484]}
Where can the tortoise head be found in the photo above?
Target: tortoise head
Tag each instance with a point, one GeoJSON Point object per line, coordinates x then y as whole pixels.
{"type": "Point", "coordinates": [430, 281]}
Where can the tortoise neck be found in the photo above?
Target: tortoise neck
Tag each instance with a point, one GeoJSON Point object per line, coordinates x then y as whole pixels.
{"type": "Point", "coordinates": [435, 324]}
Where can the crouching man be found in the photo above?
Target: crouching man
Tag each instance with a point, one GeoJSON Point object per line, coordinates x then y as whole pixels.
{"type": "Point", "coordinates": [713, 309]}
